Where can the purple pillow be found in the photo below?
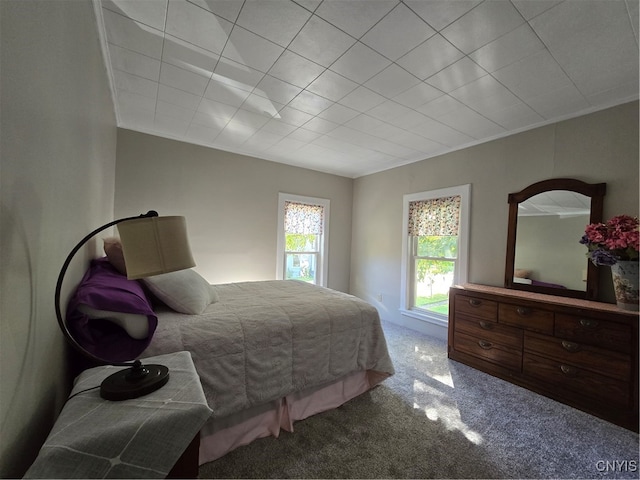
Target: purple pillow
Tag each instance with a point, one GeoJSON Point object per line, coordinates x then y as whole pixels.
{"type": "Point", "coordinates": [104, 288]}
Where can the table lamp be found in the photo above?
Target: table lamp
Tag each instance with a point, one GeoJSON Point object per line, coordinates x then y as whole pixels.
{"type": "Point", "coordinates": [151, 245]}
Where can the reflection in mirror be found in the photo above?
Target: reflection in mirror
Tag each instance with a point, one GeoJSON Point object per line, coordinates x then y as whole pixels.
{"type": "Point", "coordinates": [546, 250]}
{"type": "Point", "coordinates": [546, 221]}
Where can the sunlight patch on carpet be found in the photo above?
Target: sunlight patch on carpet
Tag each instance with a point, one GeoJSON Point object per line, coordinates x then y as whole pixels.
{"type": "Point", "coordinates": [438, 406]}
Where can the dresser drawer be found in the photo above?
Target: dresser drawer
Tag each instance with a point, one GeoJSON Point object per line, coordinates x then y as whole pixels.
{"type": "Point", "coordinates": [502, 355]}
{"type": "Point", "coordinates": [604, 362]}
{"type": "Point", "coordinates": [577, 381]}
{"type": "Point", "coordinates": [615, 336]}
{"type": "Point", "coordinates": [526, 317]}
{"type": "Point", "coordinates": [489, 331]}
{"type": "Point", "coordinates": [477, 307]}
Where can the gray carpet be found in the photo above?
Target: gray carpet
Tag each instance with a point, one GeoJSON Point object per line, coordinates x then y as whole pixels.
{"type": "Point", "coordinates": [437, 418]}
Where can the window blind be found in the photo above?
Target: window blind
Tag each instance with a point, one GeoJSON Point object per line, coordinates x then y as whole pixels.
{"type": "Point", "coordinates": [434, 217]}
{"type": "Point", "coordinates": [303, 219]}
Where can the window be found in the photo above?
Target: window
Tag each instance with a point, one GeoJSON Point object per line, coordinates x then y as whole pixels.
{"type": "Point", "coordinates": [302, 238]}
{"type": "Point", "coordinates": [435, 246]}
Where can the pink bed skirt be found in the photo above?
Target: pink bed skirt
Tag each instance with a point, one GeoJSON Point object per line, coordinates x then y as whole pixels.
{"type": "Point", "coordinates": [220, 436]}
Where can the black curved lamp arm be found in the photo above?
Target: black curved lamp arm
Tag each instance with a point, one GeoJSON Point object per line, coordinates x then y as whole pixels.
{"type": "Point", "coordinates": [63, 271]}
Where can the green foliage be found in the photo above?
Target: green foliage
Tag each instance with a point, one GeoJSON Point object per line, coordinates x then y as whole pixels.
{"type": "Point", "coordinates": [435, 246]}
{"type": "Point", "coordinates": [300, 242]}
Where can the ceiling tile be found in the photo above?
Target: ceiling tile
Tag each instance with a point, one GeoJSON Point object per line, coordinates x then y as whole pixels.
{"type": "Point", "coordinates": [211, 108]}
{"type": "Point", "coordinates": [418, 95]}
{"type": "Point", "coordinates": [460, 73]}
{"type": "Point", "coordinates": [183, 79]}
{"type": "Point", "coordinates": [262, 139]}
{"type": "Point", "coordinates": [533, 75]}
{"type": "Point", "coordinates": [203, 134]}
{"type": "Point", "coordinates": [173, 110]}
{"type": "Point", "coordinates": [470, 122]}
{"type": "Point", "coordinates": [355, 17]}
{"type": "Point", "coordinates": [149, 13]}
{"type": "Point", "coordinates": [237, 75]}
{"type": "Point", "coordinates": [485, 94]}
{"type": "Point", "coordinates": [430, 57]}
{"type": "Point", "coordinates": [225, 93]}
{"type": "Point", "coordinates": [511, 47]}
{"type": "Point", "coordinates": [277, 20]}
{"type": "Point", "coordinates": [178, 97]}
{"type": "Point", "coordinates": [310, 102]}
{"type": "Point", "coordinates": [252, 119]}
{"type": "Point", "coordinates": [227, 9]}
{"type": "Point", "coordinates": [134, 84]}
{"type": "Point", "coordinates": [320, 125]}
{"type": "Point", "coordinates": [134, 63]}
{"type": "Point", "coordinates": [304, 135]}
{"type": "Point", "coordinates": [263, 106]}
{"type": "Point", "coordinates": [136, 102]}
{"type": "Point", "coordinates": [362, 99]}
{"type": "Point", "coordinates": [614, 55]}
{"type": "Point", "coordinates": [399, 32]}
{"type": "Point", "coordinates": [321, 42]}
{"type": "Point", "coordinates": [558, 103]}
{"type": "Point", "coordinates": [293, 116]}
{"type": "Point", "coordinates": [278, 127]}
{"type": "Point", "coordinates": [392, 81]}
{"type": "Point", "coordinates": [360, 63]}
{"type": "Point", "coordinates": [249, 49]}
{"type": "Point", "coordinates": [332, 86]}
{"type": "Point", "coordinates": [294, 69]}
{"type": "Point", "coordinates": [338, 113]}
{"type": "Point", "coordinates": [441, 133]}
{"type": "Point", "coordinates": [170, 125]}
{"type": "Point", "coordinates": [308, 89]}
{"type": "Point", "coordinates": [132, 35]}
{"type": "Point", "coordinates": [483, 24]}
{"type": "Point", "coordinates": [389, 110]}
{"type": "Point", "coordinates": [365, 123]}
{"type": "Point", "coordinates": [532, 8]}
{"type": "Point", "coordinates": [439, 14]}
{"type": "Point", "coordinates": [514, 116]}
{"type": "Point", "coordinates": [440, 106]}
{"type": "Point", "coordinates": [197, 26]}
{"type": "Point", "coordinates": [188, 57]}
{"type": "Point", "coordinates": [276, 90]}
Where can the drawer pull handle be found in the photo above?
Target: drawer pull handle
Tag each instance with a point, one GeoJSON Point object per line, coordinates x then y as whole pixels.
{"type": "Point", "coordinates": [474, 302]}
{"type": "Point", "coordinates": [570, 346]}
{"type": "Point", "coordinates": [588, 323]}
{"type": "Point", "coordinates": [568, 370]}
{"type": "Point", "coordinates": [485, 345]}
{"type": "Point", "coordinates": [485, 325]}
{"type": "Point", "coordinates": [523, 311]}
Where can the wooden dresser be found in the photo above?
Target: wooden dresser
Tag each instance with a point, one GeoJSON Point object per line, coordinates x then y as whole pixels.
{"type": "Point", "coordinates": [579, 352]}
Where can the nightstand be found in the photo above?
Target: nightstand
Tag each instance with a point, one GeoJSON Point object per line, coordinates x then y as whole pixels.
{"type": "Point", "coordinates": [138, 438]}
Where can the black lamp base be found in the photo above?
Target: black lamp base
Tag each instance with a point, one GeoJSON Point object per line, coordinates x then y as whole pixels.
{"type": "Point", "coordinates": [134, 382]}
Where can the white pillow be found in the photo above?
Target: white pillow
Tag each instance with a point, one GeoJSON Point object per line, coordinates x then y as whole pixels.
{"type": "Point", "coordinates": [184, 291]}
{"type": "Point", "coordinates": [136, 325]}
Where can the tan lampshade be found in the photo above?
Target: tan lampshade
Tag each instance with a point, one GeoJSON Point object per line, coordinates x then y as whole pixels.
{"type": "Point", "coordinates": [154, 245]}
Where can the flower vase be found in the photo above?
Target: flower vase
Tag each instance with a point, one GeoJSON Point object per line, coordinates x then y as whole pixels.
{"type": "Point", "coordinates": [625, 284]}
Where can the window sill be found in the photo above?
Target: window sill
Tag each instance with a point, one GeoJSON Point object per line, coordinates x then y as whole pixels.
{"type": "Point", "coordinates": [441, 322]}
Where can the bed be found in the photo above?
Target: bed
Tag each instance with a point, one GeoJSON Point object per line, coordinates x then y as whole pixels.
{"type": "Point", "coordinates": [268, 353]}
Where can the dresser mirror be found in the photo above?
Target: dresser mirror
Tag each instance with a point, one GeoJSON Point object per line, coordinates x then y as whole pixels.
{"type": "Point", "coordinates": [546, 221]}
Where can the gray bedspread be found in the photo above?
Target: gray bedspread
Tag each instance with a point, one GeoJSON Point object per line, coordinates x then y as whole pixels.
{"type": "Point", "coordinates": [264, 340]}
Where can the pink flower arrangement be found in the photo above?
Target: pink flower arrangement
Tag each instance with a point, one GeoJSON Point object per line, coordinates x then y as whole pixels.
{"type": "Point", "coordinates": [614, 241]}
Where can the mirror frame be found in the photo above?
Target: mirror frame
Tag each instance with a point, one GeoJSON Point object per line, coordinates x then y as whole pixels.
{"type": "Point", "coordinates": [595, 191]}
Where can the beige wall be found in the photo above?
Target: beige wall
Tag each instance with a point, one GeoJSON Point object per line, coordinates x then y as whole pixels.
{"type": "Point", "coordinates": [230, 202]}
{"type": "Point", "coordinates": [600, 147]}
{"type": "Point", "coordinates": [57, 183]}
